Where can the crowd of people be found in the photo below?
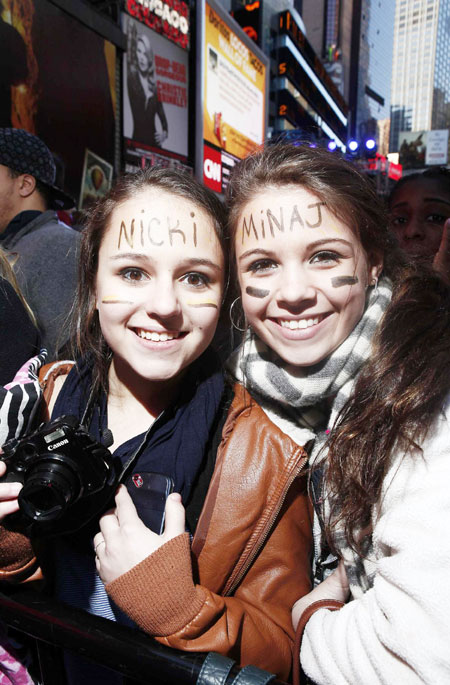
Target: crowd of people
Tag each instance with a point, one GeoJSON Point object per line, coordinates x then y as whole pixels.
{"type": "Point", "coordinates": [305, 478]}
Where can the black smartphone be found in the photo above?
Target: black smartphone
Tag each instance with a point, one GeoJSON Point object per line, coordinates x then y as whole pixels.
{"type": "Point", "coordinates": [149, 492]}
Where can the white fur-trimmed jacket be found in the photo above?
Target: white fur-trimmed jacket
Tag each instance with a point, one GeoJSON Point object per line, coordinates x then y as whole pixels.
{"type": "Point", "coordinates": [399, 630]}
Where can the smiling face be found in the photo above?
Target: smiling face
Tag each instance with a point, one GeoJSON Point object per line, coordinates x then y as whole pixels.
{"type": "Point", "coordinates": [142, 56]}
{"type": "Point", "coordinates": [419, 210]}
{"type": "Point", "coordinates": [159, 286]}
{"type": "Point", "coordinates": [303, 274]}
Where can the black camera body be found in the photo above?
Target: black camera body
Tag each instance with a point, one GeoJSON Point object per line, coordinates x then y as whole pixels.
{"type": "Point", "coordinates": [68, 477]}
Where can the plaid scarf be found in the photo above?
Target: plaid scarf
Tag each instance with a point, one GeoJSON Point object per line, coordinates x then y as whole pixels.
{"type": "Point", "coordinates": [298, 399]}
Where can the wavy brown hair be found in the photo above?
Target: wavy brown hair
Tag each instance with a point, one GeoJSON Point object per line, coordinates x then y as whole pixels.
{"type": "Point", "coordinates": [403, 385]}
{"type": "Point", "coordinates": [397, 396]}
{"type": "Point", "coordinates": [87, 337]}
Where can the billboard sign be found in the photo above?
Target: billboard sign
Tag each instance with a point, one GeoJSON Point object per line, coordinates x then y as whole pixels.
{"type": "Point", "coordinates": [155, 92]}
{"type": "Point", "coordinates": [233, 74]}
{"type": "Point", "coordinates": [437, 147]}
{"type": "Point", "coordinates": [423, 148]}
{"type": "Point", "coordinates": [57, 80]}
{"type": "Point", "coordinates": [170, 18]}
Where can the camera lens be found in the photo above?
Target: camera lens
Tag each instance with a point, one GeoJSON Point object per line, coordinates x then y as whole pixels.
{"type": "Point", "coordinates": [49, 489]}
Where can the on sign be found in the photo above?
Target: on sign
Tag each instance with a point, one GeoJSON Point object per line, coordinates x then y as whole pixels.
{"type": "Point", "coordinates": [212, 168]}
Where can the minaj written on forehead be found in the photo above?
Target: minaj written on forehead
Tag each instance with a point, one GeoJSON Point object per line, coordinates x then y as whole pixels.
{"type": "Point", "coordinates": [270, 222]}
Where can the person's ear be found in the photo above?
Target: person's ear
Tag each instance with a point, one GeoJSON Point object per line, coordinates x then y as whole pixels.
{"type": "Point", "coordinates": [27, 185]}
{"type": "Point", "coordinates": [375, 266]}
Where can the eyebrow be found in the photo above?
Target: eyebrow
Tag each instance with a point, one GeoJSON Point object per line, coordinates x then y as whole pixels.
{"type": "Point", "coordinates": [198, 261]}
{"type": "Point", "coordinates": [437, 199]}
{"type": "Point", "coordinates": [425, 199]}
{"type": "Point", "coordinates": [316, 243]}
{"type": "Point", "coordinates": [142, 257]}
{"type": "Point", "coordinates": [130, 255]}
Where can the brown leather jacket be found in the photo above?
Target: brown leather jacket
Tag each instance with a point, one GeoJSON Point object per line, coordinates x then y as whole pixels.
{"type": "Point", "coordinates": [251, 553]}
{"type": "Point", "coordinates": [232, 589]}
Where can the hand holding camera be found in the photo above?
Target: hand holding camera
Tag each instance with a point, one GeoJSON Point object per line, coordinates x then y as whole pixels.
{"type": "Point", "coordinates": [9, 492]}
{"type": "Point", "coordinates": [68, 477]}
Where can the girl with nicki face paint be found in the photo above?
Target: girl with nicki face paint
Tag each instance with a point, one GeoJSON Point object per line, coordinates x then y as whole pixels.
{"type": "Point", "coordinates": [346, 350]}
{"type": "Point", "coordinates": [152, 275]}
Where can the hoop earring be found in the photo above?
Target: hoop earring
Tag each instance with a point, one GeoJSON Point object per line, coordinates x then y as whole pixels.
{"type": "Point", "coordinates": [233, 323]}
{"type": "Point", "coordinates": [375, 284]}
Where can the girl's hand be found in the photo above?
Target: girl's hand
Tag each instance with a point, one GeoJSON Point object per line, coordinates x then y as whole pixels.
{"type": "Point", "coordinates": [8, 495]}
{"type": "Point", "coordinates": [124, 541]}
{"type": "Point", "coordinates": [334, 587]}
{"type": "Point", "coordinates": [441, 261]}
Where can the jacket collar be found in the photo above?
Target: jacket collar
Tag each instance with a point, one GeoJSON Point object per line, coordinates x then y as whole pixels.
{"type": "Point", "coordinates": [25, 223]}
{"type": "Point", "coordinates": [255, 467]}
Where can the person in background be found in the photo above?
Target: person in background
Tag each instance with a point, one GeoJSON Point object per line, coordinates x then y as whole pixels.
{"type": "Point", "coordinates": [420, 217]}
{"type": "Point", "coordinates": [348, 349]}
{"type": "Point", "coordinates": [19, 334]}
{"type": "Point", "coordinates": [46, 249]}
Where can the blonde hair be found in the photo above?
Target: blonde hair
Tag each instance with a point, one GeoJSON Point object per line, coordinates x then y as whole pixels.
{"type": "Point", "coordinates": [6, 272]}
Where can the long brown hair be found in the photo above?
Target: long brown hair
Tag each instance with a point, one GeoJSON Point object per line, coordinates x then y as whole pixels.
{"type": "Point", "coordinates": [396, 399]}
{"type": "Point", "coordinates": [87, 337]}
{"type": "Point", "coordinates": [404, 383]}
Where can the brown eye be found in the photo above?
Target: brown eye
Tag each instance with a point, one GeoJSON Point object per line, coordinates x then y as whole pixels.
{"type": "Point", "coordinates": [325, 257]}
{"type": "Point", "coordinates": [195, 279]}
{"type": "Point", "coordinates": [134, 275]}
{"type": "Point", "coordinates": [261, 265]}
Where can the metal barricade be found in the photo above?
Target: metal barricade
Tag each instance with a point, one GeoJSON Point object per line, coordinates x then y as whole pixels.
{"type": "Point", "coordinates": [56, 627]}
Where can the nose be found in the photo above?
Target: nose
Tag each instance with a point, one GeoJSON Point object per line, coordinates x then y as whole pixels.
{"type": "Point", "coordinates": [163, 301]}
{"type": "Point", "coordinates": [413, 230]}
{"type": "Point", "coordinates": [296, 287]}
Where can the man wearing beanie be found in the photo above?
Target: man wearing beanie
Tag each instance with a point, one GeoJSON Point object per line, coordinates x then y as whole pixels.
{"type": "Point", "coordinates": [46, 249]}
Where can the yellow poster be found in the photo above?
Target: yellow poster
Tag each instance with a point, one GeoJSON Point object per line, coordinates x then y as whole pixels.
{"type": "Point", "coordinates": [234, 90]}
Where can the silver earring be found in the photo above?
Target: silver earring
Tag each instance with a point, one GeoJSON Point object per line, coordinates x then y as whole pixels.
{"type": "Point", "coordinates": [233, 323]}
{"type": "Point", "coordinates": [375, 284]}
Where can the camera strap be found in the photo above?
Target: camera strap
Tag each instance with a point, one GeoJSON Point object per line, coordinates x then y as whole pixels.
{"type": "Point", "coordinates": [107, 438]}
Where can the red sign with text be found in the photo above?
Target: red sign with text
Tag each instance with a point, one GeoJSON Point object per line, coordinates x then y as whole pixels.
{"type": "Point", "coordinates": [212, 168]}
{"type": "Point", "coordinates": [170, 18]}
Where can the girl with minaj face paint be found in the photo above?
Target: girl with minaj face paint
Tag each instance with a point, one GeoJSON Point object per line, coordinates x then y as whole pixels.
{"type": "Point", "coordinates": [153, 271]}
{"type": "Point", "coordinates": [346, 350]}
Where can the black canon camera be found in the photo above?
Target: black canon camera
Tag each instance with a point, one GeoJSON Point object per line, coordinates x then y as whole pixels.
{"type": "Point", "coordinates": [68, 477]}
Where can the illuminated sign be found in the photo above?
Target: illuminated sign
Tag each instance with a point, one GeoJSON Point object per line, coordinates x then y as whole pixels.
{"type": "Point", "coordinates": [291, 69]}
{"type": "Point", "coordinates": [212, 169]}
{"type": "Point", "coordinates": [170, 18]}
{"type": "Point", "coordinates": [288, 26]}
{"type": "Point", "coordinates": [249, 18]}
{"type": "Point", "coordinates": [234, 108]}
{"type": "Point", "coordinates": [231, 102]}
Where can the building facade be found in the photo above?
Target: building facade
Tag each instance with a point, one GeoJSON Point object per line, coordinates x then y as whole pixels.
{"type": "Point", "coordinates": [373, 87]}
{"type": "Point", "coordinates": [420, 98]}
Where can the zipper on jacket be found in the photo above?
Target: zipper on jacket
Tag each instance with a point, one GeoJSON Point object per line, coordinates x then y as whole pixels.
{"type": "Point", "coordinates": [263, 538]}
